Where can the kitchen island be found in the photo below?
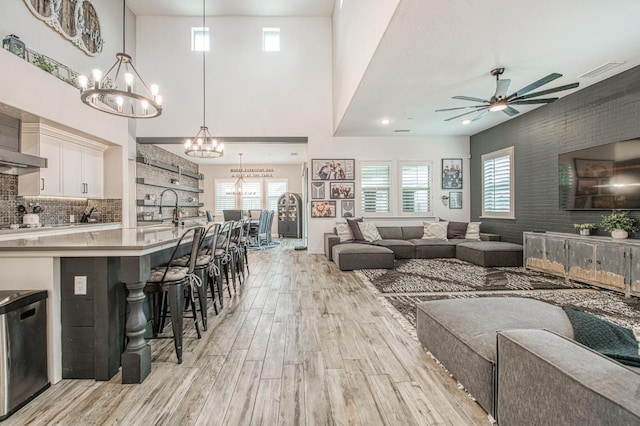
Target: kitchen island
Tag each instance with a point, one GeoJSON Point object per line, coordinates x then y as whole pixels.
{"type": "Point", "coordinates": [94, 279]}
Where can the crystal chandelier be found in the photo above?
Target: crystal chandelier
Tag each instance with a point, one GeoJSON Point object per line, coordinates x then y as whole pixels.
{"type": "Point", "coordinates": [203, 145]}
{"type": "Point", "coordinates": [114, 92]}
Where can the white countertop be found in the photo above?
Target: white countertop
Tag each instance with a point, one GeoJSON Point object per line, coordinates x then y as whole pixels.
{"type": "Point", "coordinates": [96, 242]}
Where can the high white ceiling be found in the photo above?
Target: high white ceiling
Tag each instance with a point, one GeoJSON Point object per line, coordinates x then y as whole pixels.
{"type": "Point", "coordinates": [433, 50]}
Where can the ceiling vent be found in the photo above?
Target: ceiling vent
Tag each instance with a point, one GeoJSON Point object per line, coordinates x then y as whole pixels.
{"type": "Point", "coordinates": [600, 70]}
{"type": "Point", "coordinates": [401, 131]}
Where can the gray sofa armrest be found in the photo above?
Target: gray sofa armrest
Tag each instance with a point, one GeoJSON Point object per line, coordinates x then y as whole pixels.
{"type": "Point", "coordinates": [544, 378]}
{"type": "Point", "coordinates": [330, 240]}
{"type": "Point", "coordinates": [484, 236]}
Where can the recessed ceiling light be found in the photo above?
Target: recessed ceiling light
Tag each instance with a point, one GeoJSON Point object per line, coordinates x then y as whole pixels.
{"type": "Point", "coordinates": [385, 121]}
{"type": "Point", "coordinates": [466, 121]}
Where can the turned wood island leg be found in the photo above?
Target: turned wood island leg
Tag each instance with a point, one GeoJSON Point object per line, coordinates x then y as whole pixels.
{"type": "Point", "coordinates": [136, 359]}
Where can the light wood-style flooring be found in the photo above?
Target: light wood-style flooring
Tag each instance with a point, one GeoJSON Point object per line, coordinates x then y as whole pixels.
{"type": "Point", "coordinates": [301, 343]}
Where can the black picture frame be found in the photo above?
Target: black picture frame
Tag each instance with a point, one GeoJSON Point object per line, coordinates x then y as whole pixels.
{"type": "Point", "coordinates": [455, 200]}
{"type": "Point", "coordinates": [342, 190]}
{"type": "Point", "coordinates": [318, 190]}
{"type": "Point", "coordinates": [323, 208]}
{"type": "Point", "coordinates": [452, 173]}
{"type": "Point", "coordinates": [333, 169]}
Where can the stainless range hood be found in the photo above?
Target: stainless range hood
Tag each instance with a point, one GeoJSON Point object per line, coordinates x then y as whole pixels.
{"type": "Point", "coordinates": [10, 155]}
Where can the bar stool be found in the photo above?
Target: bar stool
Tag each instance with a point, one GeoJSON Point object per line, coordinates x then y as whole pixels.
{"type": "Point", "coordinates": [244, 242]}
{"type": "Point", "coordinates": [221, 259]}
{"type": "Point", "coordinates": [175, 284]}
{"type": "Point", "coordinates": [204, 262]}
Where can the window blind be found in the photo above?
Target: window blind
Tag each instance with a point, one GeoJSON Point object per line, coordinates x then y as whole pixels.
{"type": "Point", "coordinates": [274, 190]}
{"type": "Point", "coordinates": [497, 184]}
{"type": "Point", "coordinates": [225, 199]}
{"type": "Point", "coordinates": [416, 188]}
{"type": "Point", "coordinates": [374, 185]}
{"type": "Point", "coordinates": [251, 195]}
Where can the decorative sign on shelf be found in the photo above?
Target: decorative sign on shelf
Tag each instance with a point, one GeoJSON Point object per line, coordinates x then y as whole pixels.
{"type": "Point", "coordinates": [75, 20]}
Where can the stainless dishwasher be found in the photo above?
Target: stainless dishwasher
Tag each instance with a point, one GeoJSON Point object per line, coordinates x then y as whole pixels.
{"type": "Point", "coordinates": [23, 348]}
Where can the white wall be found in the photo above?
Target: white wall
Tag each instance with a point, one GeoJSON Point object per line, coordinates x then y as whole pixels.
{"type": "Point", "coordinates": [394, 149]}
{"type": "Point", "coordinates": [358, 27]}
{"type": "Point", "coordinates": [249, 92]}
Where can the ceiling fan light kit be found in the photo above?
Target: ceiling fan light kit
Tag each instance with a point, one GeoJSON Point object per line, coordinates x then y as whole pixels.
{"type": "Point", "coordinates": [501, 102]}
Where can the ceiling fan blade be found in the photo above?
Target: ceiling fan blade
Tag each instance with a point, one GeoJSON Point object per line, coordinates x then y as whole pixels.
{"type": "Point", "coordinates": [481, 114]}
{"type": "Point", "coordinates": [546, 92]}
{"type": "Point", "coordinates": [501, 88]}
{"type": "Point", "coordinates": [535, 85]}
{"type": "Point", "coordinates": [453, 109]}
{"type": "Point", "coordinates": [469, 112]}
{"type": "Point", "coordinates": [467, 98]}
{"type": "Point", "coordinates": [510, 111]}
{"type": "Point", "coordinates": [534, 101]}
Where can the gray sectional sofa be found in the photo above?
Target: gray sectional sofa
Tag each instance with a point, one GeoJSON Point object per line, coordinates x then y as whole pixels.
{"type": "Point", "coordinates": [406, 242]}
{"type": "Point", "coordinates": [517, 357]}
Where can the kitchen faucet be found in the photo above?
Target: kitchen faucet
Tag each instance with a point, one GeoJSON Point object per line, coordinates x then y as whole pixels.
{"type": "Point", "coordinates": [176, 210]}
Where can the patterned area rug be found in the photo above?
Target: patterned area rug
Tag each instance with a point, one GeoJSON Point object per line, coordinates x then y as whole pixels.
{"type": "Point", "coordinates": [418, 280]}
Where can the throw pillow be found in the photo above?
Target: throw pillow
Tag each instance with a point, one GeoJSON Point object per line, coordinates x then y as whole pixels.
{"type": "Point", "coordinates": [435, 230]}
{"type": "Point", "coordinates": [344, 232]}
{"type": "Point", "coordinates": [473, 231]}
{"type": "Point", "coordinates": [457, 230]}
{"type": "Point", "coordinates": [355, 229]}
{"type": "Point", "coordinates": [369, 231]}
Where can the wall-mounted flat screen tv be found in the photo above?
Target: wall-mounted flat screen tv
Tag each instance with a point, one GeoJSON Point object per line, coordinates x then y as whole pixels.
{"type": "Point", "coordinates": [603, 177]}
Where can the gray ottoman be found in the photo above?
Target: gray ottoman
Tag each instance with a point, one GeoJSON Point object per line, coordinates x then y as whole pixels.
{"type": "Point", "coordinates": [490, 253]}
{"type": "Point", "coordinates": [461, 334]}
{"type": "Point", "coordinates": [362, 256]}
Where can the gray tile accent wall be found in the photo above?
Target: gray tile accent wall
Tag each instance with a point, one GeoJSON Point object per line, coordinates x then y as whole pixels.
{"type": "Point", "coordinates": [605, 112]}
{"type": "Point", "coordinates": [56, 210]}
{"type": "Point", "coordinates": [146, 171]}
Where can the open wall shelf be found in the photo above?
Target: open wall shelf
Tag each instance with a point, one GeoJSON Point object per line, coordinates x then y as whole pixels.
{"type": "Point", "coordinates": [151, 182]}
{"type": "Point", "coordinates": [151, 203]}
{"type": "Point", "coordinates": [169, 167]}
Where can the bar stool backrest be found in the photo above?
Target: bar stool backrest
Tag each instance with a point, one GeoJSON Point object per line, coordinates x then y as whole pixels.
{"type": "Point", "coordinates": [210, 238]}
{"type": "Point", "coordinates": [194, 244]}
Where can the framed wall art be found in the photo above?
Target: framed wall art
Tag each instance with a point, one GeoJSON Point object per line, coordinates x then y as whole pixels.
{"type": "Point", "coordinates": [455, 200]}
{"type": "Point", "coordinates": [348, 208]}
{"type": "Point", "coordinates": [333, 169]}
{"type": "Point", "coordinates": [342, 190]}
{"type": "Point", "coordinates": [324, 208]}
{"type": "Point", "coordinates": [452, 173]}
{"type": "Point", "coordinates": [317, 191]}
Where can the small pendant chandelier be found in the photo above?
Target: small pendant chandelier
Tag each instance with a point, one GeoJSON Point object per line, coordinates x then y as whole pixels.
{"type": "Point", "coordinates": [203, 145]}
{"type": "Point", "coordinates": [238, 187]}
{"type": "Point", "coordinates": [114, 92]}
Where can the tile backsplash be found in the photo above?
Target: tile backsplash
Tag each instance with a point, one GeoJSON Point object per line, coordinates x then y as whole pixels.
{"type": "Point", "coordinates": [55, 210]}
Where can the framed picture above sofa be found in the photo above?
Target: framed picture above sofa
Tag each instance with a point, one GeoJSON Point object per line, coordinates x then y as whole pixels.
{"type": "Point", "coordinates": [333, 169]}
{"type": "Point", "coordinates": [452, 173]}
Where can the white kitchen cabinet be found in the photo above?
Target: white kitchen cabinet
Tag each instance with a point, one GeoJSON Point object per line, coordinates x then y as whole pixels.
{"type": "Point", "coordinates": [82, 171]}
{"type": "Point", "coordinates": [74, 164]}
{"type": "Point", "coordinates": [46, 181]}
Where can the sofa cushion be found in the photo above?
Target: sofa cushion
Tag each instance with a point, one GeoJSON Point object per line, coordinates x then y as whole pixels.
{"type": "Point", "coordinates": [369, 231]}
{"type": "Point", "coordinates": [401, 249]}
{"type": "Point", "coordinates": [433, 248]}
{"type": "Point", "coordinates": [490, 253]}
{"type": "Point", "coordinates": [390, 232]}
{"type": "Point", "coordinates": [344, 232]}
{"type": "Point", "coordinates": [473, 231]}
{"type": "Point", "coordinates": [350, 256]}
{"type": "Point", "coordinates": [457, 230]}
{"type": "Point", "coordinates": [412, 232]}
{"type": "Point", "coordinates": [355, 229]}
{"type": "Point", "coordinates": [437, 230]}
{"type": "Point", "coordinates": [461, 333]}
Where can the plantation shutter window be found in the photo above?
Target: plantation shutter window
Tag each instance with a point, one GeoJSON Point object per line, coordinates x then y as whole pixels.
{"type": "Point", "coordinates": [274, 190]}
{"type": "Point", "coordinates": [225, 198]}
{"type": "Point", "coordinates": [375, 182]}
{"type": "Point", "coordinates": [498, 184]}
{"type": "Point", "coordinates": [251, 195]}
{"type": "Point", "coordinates": [415, 182]}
